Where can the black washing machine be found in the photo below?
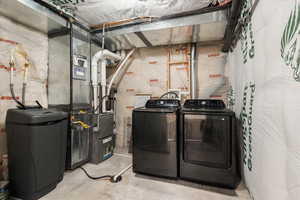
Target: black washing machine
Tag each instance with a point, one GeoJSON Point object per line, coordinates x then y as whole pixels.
{"type": "Point", "coordinates": [154, 135]}
{"type": "Point", "coordinates": [208, 152]}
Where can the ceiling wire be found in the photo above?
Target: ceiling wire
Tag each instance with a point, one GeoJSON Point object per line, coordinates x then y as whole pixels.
{"type": "Point", "coordinates": [103, 36]}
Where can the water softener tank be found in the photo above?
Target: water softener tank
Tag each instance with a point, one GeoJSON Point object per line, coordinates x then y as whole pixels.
{"type": "Point", "coordinates": [36, 141]}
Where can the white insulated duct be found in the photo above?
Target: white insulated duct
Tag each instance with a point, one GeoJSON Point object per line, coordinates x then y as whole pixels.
{"type": "Point", "coordinates": [101, 56]}
{"type": "Point", "coordinates": [116, 74]}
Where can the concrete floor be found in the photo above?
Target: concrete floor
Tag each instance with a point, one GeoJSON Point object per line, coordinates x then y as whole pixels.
{"type": "Point", "coordinates": [76, 186]}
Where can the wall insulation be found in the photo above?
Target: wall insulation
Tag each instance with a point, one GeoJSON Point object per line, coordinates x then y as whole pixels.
{"type": "Point", "coordinates": [147, 75]}
{"type": "Point", "coordinates": [36, 46]}
{"type": "Point", "coordinates": [264, 75]}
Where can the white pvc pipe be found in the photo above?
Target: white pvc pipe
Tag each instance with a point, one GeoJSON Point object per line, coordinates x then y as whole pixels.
{"type": "Point", "coordinates": [101, 55]}
{"type": "Point", "coordinates": [103, 84]}
{"type": "Point", "coordinates": [119, 69]}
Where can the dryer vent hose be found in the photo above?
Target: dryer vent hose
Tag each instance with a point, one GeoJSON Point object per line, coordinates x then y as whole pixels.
{"type": "Point", "coordinates": [114, 179]}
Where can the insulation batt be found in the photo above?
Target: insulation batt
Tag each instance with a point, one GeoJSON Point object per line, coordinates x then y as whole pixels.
{"type": "Point", "coordinates": [264, 73]}
{"type": "Point", "coordinates": [102, 11]}
{"type": "Point", "coordinates": [36, 45]}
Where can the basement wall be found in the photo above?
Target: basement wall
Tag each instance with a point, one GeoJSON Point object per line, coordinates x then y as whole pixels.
{"type": "Point", "coordinates": [147, 75]}
{"type": "Point", "coordinates": [265, 79]}
{"type": "Point", "coordinates": [36, 46]}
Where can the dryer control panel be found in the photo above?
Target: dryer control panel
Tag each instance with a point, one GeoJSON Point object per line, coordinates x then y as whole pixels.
{"type": "Point", "coordinates": [204, 104]}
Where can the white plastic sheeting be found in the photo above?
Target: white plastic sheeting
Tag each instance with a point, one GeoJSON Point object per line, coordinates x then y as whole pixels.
{"type": "Point", "coordinates": [211, 69]}
{"type": "Point", "coordinates": [102, 11]}
{"type": "Point", "coordinates": [267, 100]}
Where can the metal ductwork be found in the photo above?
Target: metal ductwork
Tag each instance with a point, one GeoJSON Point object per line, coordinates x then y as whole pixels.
{"type": "Point", "coordinates": [193, 71]}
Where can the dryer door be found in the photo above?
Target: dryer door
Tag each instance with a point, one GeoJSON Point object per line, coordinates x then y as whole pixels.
{"type": "Point", "coordinates": [207, 140]}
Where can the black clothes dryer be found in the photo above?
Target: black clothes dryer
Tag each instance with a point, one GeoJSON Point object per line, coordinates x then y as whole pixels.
{"type": "Point", "coordinates": [208, 151]}
{"type": "Point", "coordinates": [154, 135]}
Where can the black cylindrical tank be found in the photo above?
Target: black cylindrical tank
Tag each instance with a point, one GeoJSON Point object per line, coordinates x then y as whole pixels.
{"type": "Point", "coordinates": [36, 141]}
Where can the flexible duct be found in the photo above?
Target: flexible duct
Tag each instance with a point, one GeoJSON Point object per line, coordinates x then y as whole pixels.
{"type": "Point", "coordinates": [121, 66]}
{"type": "Point", "coordinates": [101, 56]}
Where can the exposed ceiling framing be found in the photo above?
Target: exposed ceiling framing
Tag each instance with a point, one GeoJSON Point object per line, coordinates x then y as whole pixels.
{"type": "Point", "coordinates": [170, 21]}
{"type": "Point", "coordinates": [206, 25]}
{"type": "Point", "coordinates": [184, 26]}
{"type": "Point", "coordinates": [185, 29]}
{"type": "Point", "coordinates": [144, 39]}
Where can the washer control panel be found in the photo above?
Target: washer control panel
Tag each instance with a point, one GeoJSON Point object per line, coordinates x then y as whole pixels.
{"type": "Point", "coordinates": [204, 104]}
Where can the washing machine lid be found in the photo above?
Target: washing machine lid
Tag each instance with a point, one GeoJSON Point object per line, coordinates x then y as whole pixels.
{"type": "Point", "coordinates": [163, 103]}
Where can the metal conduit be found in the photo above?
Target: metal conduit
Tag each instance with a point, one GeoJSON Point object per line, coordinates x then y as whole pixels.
{"type": "Point", "coordinates": [193, 73]}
